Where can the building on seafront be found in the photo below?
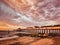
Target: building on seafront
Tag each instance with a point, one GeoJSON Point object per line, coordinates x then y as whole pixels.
{"type": "Point", "coordinates": [35, 30]}
{"type": "Point", "coordinates": [42, 29]}
{"type": "Point", "coordinates": [52, 29]}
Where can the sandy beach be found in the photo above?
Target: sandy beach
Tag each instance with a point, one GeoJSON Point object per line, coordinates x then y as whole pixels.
{"type": "Point", "coordinates": [32, 41]}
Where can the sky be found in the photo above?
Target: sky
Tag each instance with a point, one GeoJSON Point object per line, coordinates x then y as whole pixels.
{"type": "Point", "coordinates": [25, 13]}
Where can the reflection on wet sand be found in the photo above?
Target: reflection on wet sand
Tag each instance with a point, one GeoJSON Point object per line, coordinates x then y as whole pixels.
{"type": "Point", "coordinates": [57, 41]}
{"type": "Point", "coordinates": [32, 41]}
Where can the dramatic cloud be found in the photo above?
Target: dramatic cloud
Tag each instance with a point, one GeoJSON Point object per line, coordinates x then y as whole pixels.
{"type": "Point", "coordinates": [30, 12]}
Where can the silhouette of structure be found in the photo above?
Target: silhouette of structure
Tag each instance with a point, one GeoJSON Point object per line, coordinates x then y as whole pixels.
{"type": "Point", "coordinates": [52, 30]}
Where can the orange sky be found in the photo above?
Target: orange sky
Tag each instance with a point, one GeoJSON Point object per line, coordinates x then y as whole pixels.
{"type": "Point", "coordinates": [24, 13]}
{"type": "Point", "coordinates": [6, 26]}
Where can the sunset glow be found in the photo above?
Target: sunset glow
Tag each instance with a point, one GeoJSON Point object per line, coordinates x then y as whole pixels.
{"type": "Point", "coordinates": [24, 13]}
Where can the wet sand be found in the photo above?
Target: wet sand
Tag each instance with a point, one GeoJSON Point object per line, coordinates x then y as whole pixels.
{"type": "Point", "coordinates": [32, 41]}
{"type": "Point", "coordinates": [56, 41]}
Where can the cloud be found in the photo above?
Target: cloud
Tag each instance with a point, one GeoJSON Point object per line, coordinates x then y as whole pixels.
{"type": "Point", "coordinates": [35, 13]}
